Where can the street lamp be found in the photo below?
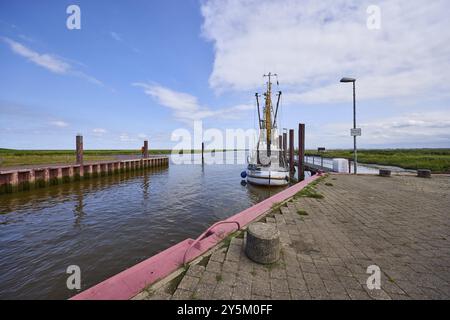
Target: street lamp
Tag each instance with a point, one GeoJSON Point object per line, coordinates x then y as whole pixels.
{"type": "Point", "coordinates": [354, 132]}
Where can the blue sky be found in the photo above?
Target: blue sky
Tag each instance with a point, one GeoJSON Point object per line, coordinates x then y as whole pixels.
{"type": "Point", "coordinates": [141, 69]}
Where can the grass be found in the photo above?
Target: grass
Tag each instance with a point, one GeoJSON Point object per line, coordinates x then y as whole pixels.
{"type": "Point", "coordinates": [437, 160]}
{"type": "Point", "coordinates": [310, 190]}
{"type": "Point", "coordinates": [173, 284]}
{"type": "Point", "coordinates": [219, 278]}
{"type": "Point", "coordinates": [302, 212]}
{"type": "Point", "coordinates": [276, 206]}
{"type": "Point", "coordinates": [227, 241]}
{"type": "Point", "coordinates": [329, 184]}
{"type": "Point", "coordinates": [12, 157]}
{"type": "Point", "coordinates": [204, 261]}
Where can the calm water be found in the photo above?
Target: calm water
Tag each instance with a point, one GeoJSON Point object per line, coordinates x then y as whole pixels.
{"type": "Point", "coordinates": [108, 224]}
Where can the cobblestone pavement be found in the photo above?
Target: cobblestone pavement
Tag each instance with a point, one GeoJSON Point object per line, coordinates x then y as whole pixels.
{"type": "Point", "coordinates": [401, 224]}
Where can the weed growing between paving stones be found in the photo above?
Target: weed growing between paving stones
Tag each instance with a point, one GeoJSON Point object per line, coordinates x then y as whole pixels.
{"type": "Point", "coordinates": [276, 206]}
{"type": "Point", "coordinates": [226, 242]}
{"type": "Point", "coordinates": [194, 296]}
{"type": "Point", "coordinates": [302, 212]}
{"type": "Point", "coordinates": [308, 192]}
{"type": "Point", "coordinates": [219, 278]}
{"type": "Point", "coordinates": [173, 285]}
{"type": "Point", "coordinates": [328, 184]}
{"type": "Point", "coordinates": [204, 261]}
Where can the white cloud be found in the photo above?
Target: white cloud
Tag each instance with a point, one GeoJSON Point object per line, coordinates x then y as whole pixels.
{"type": "Point", "coordinates": [142, 136]}
{"type": "Point", "coordinates": [59, 123]}
{"type": "Point", "coordinates": [48, 61]}
{"type": "Point", "coordinates": [431, 129]}
{"type": "Point", "coordinates": [186, 107]}
{"type": "Point", "coordinates": [115, 36]}
{"type": "Point", "coordinates": [311, 44]}
{"type": "Point", "coordinates": [125, 137]}
{"type": "Point", "coordinates": [99, 131]}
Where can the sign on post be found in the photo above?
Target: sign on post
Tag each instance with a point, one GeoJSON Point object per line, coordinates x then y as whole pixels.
{"type": "Point", "coordinates": [355, 132]}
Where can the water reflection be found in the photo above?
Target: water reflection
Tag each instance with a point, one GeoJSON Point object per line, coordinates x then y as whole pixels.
{"type": "Point", "coordinates": [107, 224]}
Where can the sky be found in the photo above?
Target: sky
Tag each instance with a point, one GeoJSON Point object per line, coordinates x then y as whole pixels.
{"type": "Point", "coordinates": [139, 70]}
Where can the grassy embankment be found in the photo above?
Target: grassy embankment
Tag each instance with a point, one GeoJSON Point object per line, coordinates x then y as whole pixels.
{"type": "Point", "coordinates": [11, 157]}
{"type": "Point", "coordinates": [437, 160]}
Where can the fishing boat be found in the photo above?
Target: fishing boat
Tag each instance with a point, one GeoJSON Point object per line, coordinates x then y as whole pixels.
{"type": "Point", "coordinates": [267, 165]}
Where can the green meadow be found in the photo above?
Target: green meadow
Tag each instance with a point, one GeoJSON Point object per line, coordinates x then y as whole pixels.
{"type": "Point", "coordinates": [437, 160]}
{"type": "Point", "coordinates": [12, 157]}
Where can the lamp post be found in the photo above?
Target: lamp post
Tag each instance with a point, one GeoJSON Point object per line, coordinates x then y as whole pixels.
{"type": "Point", "coordinates": [355, 155]}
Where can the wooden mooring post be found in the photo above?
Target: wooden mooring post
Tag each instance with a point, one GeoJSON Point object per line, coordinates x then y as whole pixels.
{"type": "Point", "coordinates": [203, 152]}
{"type": "Point", "coordinates": [79, 147]}
{"type": "Point", "coordinates": [301, 151]}
{"type": "Point", "coordinates": [291, 152]}
{"type": "Point", "coordinates": [145, 149]}
{"type": "Point", "coordinates": [280, 147]}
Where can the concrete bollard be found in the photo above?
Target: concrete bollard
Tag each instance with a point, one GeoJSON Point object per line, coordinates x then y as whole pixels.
{"type": "Point", "coordinates": [263, 243]}
{"type": "Point", "coordinates": [424, 173]}
{"type": "Point", "coordinates": [385, 173]}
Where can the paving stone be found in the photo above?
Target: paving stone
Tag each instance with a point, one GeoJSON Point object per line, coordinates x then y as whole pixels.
{"type": "Point", "coordinates": [188, 283]}
{"type": "Point", "coordinates": [222, 291]}
{"type": "Point", "coordinates": [242, 290]}
{"type": "Point", "coordinates": [159, 296]}
{"type": "Point", "coordinates": [209, 278]}
{"type": "Point", "coordinates": [279, 285]}
{"type": "Point", "coordinates": [214, 266]}
{"type": "Point", "coordinates": [357, 294]}
{"type": "Point", "coordinates": [181, 294]}
{"type": "Point", "coordinates": [230, 267]}
{"type": "Point", "coordinates": [204, 291]}
{"type": "Point", "coordinates": [233, 253]}
{"type": "Point", "coordinates": [261, 288]}
{"type": "Point", "coordinates": [195, 271]}
{"type": "Point", "coordinates": [218, 256]}
{"type": "Point", "coordinates": [278, 273]}
{"type": "Point", "coordinates": [300, 295]}
{"type": "Point", "coordinates": [276, 295]}
{"type": "Point", "coordinates": [296, 283]}
{"type": "Point", "coordinates": [363, 220]}
{"type": "Point", "coordinates": [378, 294]}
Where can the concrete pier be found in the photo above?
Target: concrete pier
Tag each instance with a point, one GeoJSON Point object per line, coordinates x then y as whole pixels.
{"type": "Point", "coordinates": [12, 180]}
{"type": "Point", "coordinates": [330, 243]}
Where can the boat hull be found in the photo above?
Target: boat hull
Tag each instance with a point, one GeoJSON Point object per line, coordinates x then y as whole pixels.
{"type": "Point", "coordinates": [268, 178]}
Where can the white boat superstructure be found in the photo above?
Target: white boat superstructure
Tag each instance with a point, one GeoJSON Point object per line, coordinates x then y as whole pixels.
{"type": "Point", "coordinates": [267, 164]}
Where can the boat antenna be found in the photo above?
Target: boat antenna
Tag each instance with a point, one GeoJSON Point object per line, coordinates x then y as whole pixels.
{"type": "Point", "coordinates": [276, 110]}
{"type": "Point", "coordinates": [257, 106]}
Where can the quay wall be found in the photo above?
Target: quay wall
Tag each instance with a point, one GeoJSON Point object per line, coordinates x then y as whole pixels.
{"type": "Point", "coordinates": [14, 180]}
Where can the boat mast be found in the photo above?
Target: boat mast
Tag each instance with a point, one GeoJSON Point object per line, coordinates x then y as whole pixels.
{"type": "Point", "coordinates": [268, 113]}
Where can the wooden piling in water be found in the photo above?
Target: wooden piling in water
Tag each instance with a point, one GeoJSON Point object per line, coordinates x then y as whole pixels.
{"type": "Point", "coordinates": [145, 149]}
{"type": "Point", "coordinates": [203, 151]}
{"type": "Point", "coordinates": [79, 148]}
{"type": "Point", "coordinates": [291, 152]}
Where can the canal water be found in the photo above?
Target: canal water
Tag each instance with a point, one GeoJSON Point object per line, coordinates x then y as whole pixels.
{"type": "Point", "coordinates": [108, 224]}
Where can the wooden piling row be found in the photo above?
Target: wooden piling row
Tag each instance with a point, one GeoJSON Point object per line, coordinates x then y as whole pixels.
{"type": "Point", "coordinates": [39, 177]}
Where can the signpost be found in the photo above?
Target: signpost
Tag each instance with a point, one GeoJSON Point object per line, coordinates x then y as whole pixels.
{"type": "Point", "coordinates": [355, 132]}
